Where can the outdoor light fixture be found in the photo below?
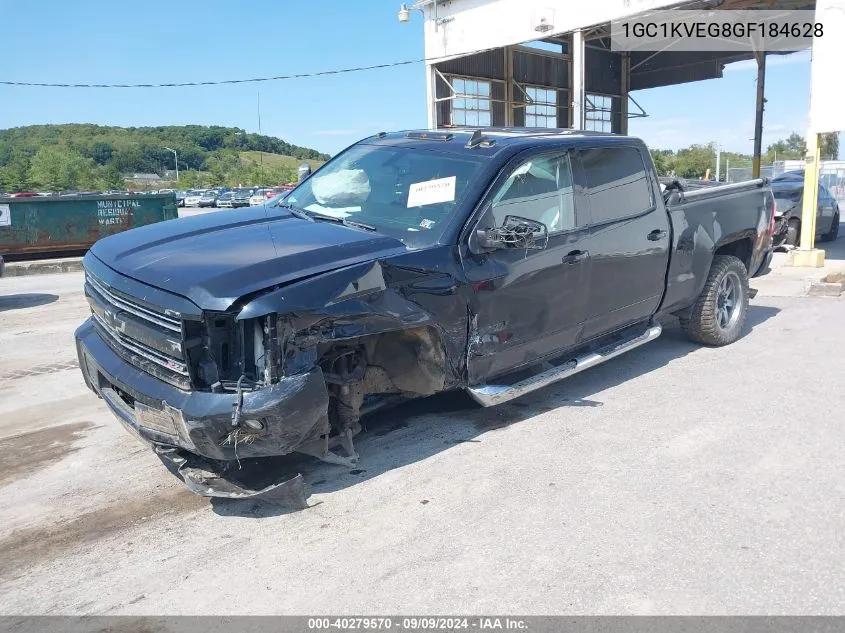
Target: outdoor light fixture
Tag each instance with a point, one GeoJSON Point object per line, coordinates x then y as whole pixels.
{"type": "Point", "coordinates": [544, 21]}
{"type": "Point", "coordinates": [404, 14]}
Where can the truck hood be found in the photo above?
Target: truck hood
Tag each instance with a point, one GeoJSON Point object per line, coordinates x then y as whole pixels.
{"type": "Point", "coordinates": [216, 258]}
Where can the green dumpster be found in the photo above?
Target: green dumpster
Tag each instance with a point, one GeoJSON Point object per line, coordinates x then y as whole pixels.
{"type": "Point", "coordinates": [59, 224]}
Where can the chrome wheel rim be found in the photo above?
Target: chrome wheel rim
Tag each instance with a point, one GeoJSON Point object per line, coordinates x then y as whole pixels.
{"type": "Point", "coordinates": [728, 301]}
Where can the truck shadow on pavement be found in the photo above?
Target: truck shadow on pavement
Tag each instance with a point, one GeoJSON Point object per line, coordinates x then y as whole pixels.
{"type": "Point", "coordinates": [31, 300]}
{"type": "Point", "coordinates": [416, 430]}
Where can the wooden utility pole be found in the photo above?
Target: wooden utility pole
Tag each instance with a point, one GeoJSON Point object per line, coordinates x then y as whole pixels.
{"type": "Point", "coordinates": [758, 119]}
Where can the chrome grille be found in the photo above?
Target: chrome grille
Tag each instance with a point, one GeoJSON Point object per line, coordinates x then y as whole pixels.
{"type": "Point", "coordinates": [149, 338]}
{"type": "Point", "coordinates": [159, 318]}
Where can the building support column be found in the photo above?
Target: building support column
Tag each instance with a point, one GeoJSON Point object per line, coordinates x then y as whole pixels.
{"type": "Point", "coordinates": [758, 119]}
{"type": "Point", "coordinates": [807, 255]}
{"type": "Point", "coordinates": [508, 51]}
{"type": "Point", "coordinates": [430, 95]}
{"type": "Point", "coordinates": [578, 80]}
{"type": "Point", "coordinates": [626, 82]}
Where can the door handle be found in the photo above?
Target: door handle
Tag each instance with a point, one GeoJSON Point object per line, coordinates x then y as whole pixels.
{"type": "Point", "coordinates": [575, 256]}
{"type": "Point", "coordinates": [656, 234]}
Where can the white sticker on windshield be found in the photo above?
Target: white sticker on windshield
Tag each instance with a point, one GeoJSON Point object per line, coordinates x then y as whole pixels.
{"type": "Point", "coordinates": [431, 192]}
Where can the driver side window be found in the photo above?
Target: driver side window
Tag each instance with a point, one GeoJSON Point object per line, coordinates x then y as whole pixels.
{"type": "Point", "coordinates": [539, 189]}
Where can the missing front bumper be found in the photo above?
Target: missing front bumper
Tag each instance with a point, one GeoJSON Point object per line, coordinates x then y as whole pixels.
{"type": "Point", "coordinates": [191, 431]}
{"type": "Point", "coordinates": [229, 480]}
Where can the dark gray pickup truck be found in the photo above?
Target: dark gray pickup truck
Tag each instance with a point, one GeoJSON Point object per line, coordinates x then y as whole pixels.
{"type": "Point", "coordinates": [494, 261]}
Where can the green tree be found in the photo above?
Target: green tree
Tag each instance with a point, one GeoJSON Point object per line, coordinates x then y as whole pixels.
{"type": "Point", "coordinates": [192, 179]}
{"type": "Point", "coordinates": [15, 175]}
{"type": "Point", "coordinates": [111, 178]}
{"type": "Point", "coordinates": [792, 148]}
{"type": "Point", "coordinates": [46, 167]}
{"type": "Point", "coordinates": [663, 160]}
{"type": "Point", "coordinates": [695, 160]}
{"type": "Point", "coordinates": [57, 168]}
{"type": "Point", "coordinates": [796, 145]}
{"type": "Point", "coordinates": [101, 152]}
{"type": "Point", "coordinates": [830, 146]}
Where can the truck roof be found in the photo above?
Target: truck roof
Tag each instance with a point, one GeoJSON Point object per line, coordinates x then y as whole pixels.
{"type": "Point", "coordinates": [490, 141]}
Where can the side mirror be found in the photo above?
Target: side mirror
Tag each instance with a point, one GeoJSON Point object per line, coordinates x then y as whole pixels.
{"type": "Point", "coordinates": [515, 232]}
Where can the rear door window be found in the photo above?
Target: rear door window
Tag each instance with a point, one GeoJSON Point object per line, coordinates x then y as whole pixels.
{"type": "Point", "coordinates": [617, 183]}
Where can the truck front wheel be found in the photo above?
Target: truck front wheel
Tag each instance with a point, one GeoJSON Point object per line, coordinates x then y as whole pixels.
{"type": "Point", "coordinates": [718, 315]}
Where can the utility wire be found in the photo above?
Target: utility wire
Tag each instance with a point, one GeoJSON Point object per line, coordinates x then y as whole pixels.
{"type": "Point", "coordinates": [337, 71]}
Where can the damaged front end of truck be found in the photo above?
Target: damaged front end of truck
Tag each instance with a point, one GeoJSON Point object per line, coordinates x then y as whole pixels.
{"type": "Point", "coordinates": [287, 370]}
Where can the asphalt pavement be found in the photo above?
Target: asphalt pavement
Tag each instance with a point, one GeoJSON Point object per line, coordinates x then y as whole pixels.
{"type": "Point", "coordinates": [675, 479]}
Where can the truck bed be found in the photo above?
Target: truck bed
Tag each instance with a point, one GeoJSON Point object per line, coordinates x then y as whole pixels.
{"type": "Point", "coordinates": [704, 221]}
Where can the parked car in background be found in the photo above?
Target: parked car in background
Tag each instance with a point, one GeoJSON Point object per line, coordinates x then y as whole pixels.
{"type": "Point", "coordinates": [208, 199]}
{"type": "Point", "coordinates": [240, 197]}
{"type": "Point", "coordinates": [181, 194]}
{"type": "Point", "coordinates": [789, 202]}
{"type": "Point", "coordinates": [192, 199]}
{"type": "Point", "coordinates": [795, 175]}
{"type": "Point", "coordinates": [225, 200]}
{"type": "Point", "coordinates": [258, 197]}
{"type": "Point", "coordinates": [276, 200]}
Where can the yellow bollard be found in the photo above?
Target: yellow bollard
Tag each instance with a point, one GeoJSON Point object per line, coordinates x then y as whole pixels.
{"type": "Point", "coordinates": [807, 255]}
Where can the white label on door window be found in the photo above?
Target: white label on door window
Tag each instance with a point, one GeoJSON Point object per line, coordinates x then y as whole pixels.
{"type": "Point", "coordinates": [431, 192]}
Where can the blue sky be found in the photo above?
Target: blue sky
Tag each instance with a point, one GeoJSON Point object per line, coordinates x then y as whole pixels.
{"type": "Point", "coordinates": [154, 41]}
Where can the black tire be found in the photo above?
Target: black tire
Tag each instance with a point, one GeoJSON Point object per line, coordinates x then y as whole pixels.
{"type": "Point", "coordinates": [706, 322]}
{"type": "Point", "coordinates": [833, 233]}
{"type": "Point", "coordinates": [793, 232]}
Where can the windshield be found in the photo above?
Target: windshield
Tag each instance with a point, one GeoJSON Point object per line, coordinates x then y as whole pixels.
{"type": "Point", "coordinates": [404, 192]}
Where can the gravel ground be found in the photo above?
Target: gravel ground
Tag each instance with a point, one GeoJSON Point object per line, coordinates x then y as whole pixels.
{"type": "Point", "coordinates": [673, 480]}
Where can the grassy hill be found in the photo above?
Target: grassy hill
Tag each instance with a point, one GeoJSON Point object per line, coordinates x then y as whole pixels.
{"type": "Point", "coordinates": [277, 160]}
{"type": "Point", "coordinates": [83, 156]}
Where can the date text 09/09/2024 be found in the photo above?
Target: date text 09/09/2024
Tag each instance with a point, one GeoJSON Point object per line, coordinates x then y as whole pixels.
{"type": "Point", "coordinates": [729, 29]}
{"type": "Point", "coordinates": [427, 623]}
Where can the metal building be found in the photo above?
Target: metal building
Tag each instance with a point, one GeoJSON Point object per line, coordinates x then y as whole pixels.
{"type": "Point", "coordinates": [483, 74]}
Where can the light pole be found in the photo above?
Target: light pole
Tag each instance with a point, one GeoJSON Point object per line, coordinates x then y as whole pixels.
{"type": "Point", "coordinates": [176, 160]}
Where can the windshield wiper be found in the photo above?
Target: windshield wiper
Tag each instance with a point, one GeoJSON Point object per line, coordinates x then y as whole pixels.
{"type": "Point", "coordinates": [314, 216]}
{"type": "Point", "coordinates": [297, 212]}
{"type": "Point", "coordinates": [358, 225]}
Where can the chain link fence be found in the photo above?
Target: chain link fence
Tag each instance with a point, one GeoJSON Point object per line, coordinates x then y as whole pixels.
{"type": "Point", "coordinates": [831, 174]}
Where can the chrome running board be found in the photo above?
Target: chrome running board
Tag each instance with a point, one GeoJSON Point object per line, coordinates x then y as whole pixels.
{"type": "Point", "coordinates": [490, 395]}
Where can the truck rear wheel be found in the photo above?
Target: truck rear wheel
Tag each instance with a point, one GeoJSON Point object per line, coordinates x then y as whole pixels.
{"type": "Point", "coordinates": [718, 315]}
